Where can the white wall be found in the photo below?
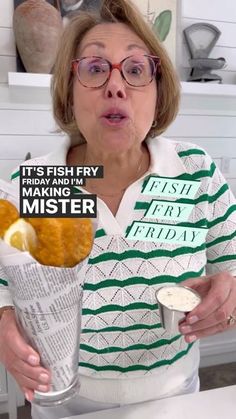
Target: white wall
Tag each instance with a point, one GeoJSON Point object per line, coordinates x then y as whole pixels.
{"type": "Point", "coordinates": [26, 125]}
{"type": "Point", "coordinates": [210, 122]}
{"type": "Point", "coordinates": [7, 42]}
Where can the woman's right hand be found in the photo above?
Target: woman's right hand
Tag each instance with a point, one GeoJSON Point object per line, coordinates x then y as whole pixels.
{"type": "Point", "coordinates": [20, 359]}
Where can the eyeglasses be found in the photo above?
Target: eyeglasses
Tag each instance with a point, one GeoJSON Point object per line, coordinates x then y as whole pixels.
{"type": "Point", "coordinates": [136, 70]}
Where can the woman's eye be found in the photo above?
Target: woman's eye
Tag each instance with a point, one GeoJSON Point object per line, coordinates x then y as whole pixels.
{"type": "Point", "coordinates": [135, 70]}
{"type": "Point", "coordinates": [95, 69]}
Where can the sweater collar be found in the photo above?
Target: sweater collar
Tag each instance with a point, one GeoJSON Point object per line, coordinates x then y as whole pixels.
{"type": "Point", "coordinates": [165, 160]}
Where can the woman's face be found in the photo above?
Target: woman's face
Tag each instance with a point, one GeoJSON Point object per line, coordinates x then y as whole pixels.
{"type": "Point", "coordinates": [93, 107]}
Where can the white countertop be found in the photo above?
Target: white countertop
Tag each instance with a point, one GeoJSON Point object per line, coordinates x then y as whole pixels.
{"type": "Point", "coordinates": [212, 404]}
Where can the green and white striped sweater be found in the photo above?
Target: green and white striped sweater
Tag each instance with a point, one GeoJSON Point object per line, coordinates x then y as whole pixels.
{"type": "Point", "coordinates": [122, 337]}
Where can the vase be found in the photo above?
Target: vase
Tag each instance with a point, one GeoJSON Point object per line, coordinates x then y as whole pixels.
{"type": "Point", "coordinates": [37, 28]}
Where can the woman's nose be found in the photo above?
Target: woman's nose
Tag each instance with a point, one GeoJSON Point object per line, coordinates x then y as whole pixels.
{"type": "Point", "coordinates": [115, 86]}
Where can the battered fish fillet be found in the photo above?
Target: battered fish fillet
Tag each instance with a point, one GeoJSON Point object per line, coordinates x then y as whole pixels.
{"type": "Point", "coordinates": [61, 242]}
{"type": "Point", "coordinates": [8, 214]}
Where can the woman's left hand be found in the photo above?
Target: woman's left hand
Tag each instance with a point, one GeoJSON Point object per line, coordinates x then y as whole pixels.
{"type": "Point", "coordinates": [217, 310]}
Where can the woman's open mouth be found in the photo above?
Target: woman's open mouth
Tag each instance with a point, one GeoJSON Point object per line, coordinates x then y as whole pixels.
{"type": "Point", "coordinates": [114, 119]}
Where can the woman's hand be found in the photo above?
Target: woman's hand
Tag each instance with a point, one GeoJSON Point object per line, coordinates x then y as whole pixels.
{"type": "Point", "coordinates": [217, 310]}
{"type": "Point", "coordinates": [20, 359]}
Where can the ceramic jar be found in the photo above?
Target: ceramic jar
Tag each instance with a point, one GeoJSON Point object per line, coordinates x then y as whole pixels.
{"type": "Point", "coordinates": [37, 28]}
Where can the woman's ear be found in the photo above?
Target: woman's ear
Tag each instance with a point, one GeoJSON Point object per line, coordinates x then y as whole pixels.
{"type": "Point", "coordinates": [154, 124]}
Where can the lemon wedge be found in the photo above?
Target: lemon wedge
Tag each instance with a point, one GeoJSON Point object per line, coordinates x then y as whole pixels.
{"type": "Point", "coordinates": [21, 235]}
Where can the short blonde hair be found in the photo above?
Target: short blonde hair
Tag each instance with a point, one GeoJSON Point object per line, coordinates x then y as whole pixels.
{"type": "Point", "coordinates": [111, 11]}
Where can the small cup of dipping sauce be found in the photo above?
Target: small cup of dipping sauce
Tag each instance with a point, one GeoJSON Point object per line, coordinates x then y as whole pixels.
{"type": "Point", "coordinates": [175, 302]}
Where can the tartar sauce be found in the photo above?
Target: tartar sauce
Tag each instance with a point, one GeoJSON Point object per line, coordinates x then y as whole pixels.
{"type": "Point", "coordinates": [178, 298]}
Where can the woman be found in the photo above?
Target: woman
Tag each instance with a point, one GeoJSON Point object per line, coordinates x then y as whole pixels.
{"type": "Point", "coordinates": [114, 92]}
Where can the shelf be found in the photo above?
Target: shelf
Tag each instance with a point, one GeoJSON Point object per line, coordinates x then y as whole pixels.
{"type": "Point", "coordinates": [208, 89]}
{"type": "Point", "coordinates": [42, 81]}
{"type": "Point", "coordinates": [29, 80]}
{"type": "Point", "coordinates": [29, 89]}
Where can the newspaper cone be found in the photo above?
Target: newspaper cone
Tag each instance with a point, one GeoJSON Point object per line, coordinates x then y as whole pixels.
{"type": "Point", "coordinates": [48, 303]}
